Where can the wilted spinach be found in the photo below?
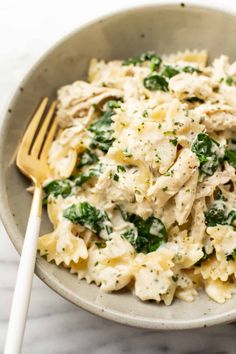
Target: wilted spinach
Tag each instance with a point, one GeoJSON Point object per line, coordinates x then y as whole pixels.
{"type": "Point", "coordinates": [151, 233]}
{"type": "Point", "coordinates": [87, 157]}
{"type": "Point", "coordinates": [101, 128]}
{"type": "Point", "coordinates": [83, 177]}
{"type": "Point", "coordinates": [207, 151]}
{"type": "Point", "coordinates": [55, 188]}
{"type": "Point", "coordinates": [170, 71]}
{"type": "Point", "coordinates": [87, 215]}
{"type": "Point", "coordinates": [155, 82]}
{"type": "Point", "coordinates": [217, 214]}
{"type": "Point", "coordinates": [230, 156]}
{"type": "Point", "coordinates": [148, 56]}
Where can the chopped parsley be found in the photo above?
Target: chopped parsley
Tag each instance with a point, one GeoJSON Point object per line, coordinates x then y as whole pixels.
{"type": "Point", "coordinates": [116, 177]}
{"type": "Point", "coordinates": [121, 168]}
{"type": "Point", "coordinates": [169, 173]}
{"type": "Point", "coordinates": [100, 244]}
{"type": "Point", "coordinates": [145, 113]}
{"type": "Point", "coordinates": [127, 153]}
{"type": "Point", "coordinates": [174, 141]}
{"type": "Point", "coordinates": [174, 278]}
{"type": "Point", "coordinates": [229, 81]}
{"type": "Point", "coordinates": [170, 132]}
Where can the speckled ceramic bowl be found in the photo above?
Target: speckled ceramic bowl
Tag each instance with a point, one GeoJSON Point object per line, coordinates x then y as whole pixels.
{"type": "Point", "coordinates": [165, 28]}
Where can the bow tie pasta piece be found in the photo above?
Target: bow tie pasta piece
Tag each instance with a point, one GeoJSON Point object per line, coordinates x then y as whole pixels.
{"type": "Point", "coordinates": [111, 266]}
{"type": "Point", "coordinates": [62, 246]}
{"type": "Point", "coordinates": [153, 275]}
{"type": "Point", "coordinates": [219, 291]}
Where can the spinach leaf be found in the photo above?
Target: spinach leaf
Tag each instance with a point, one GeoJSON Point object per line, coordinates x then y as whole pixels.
{"type": "Point", "coordinates": [151, 232]}
{"type": "Point", "coordinates": [191, 70]}
{"type": "Point", "coordinates": [217, 214]}
{"type": "Point", "coordinates": [57, 187]}
{"type": "Point", "coordinates": [230, 156]}
{"type": "Point", "coordinates": [207, 152]}
{"type": "Point", "coordinates": [155, 82]}
{"type": "Point", "coordinates": [130, 236]}
{"type": "Point", "coordinates": [101, 128]}
{"type": "Point", "coordinates": [87, 158]}
{"type": "Point", "coordinates": [125, 215]}
{"type": "Point", "coordinates": [170, 71]}
{"type": "Point", "coordinates": [81, 178]}
{"type": "Point", "coordinates": [148, 56]}
{"type": "Point", "coordinates": [155, 63]}
{"type": "Point", "coordinates": [88, 216]}
{"type": "Point", "coordinates": [231, 256]}
{"type": "Point", "coordinates": [231, 218]}
{"type": "Point", "coordinates": [101, 244]}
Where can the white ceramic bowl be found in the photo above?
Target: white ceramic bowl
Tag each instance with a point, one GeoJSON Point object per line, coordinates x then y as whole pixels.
{"type": "Point", "coordinates": [165, 28]}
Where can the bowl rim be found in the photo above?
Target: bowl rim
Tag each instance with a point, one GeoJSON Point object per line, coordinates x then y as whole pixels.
{"type": "Point", "coordinates": [8, 220]}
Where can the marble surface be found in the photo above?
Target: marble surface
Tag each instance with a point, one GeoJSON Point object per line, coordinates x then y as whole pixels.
{"type": "Point", "coordinates": [55, 326]}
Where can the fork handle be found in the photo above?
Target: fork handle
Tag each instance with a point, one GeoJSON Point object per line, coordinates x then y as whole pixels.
{"type": "Point", "coordinates": [21, 297]}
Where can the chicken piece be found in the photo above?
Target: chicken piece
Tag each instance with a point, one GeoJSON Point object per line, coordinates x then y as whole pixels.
{"type": "Point", "coordinates": [198, 226]}
{"type": "Point", "coordinates": [169, 184]}
{"type": "Point", "coordinates": [207, 187]}
{"type": "Point", "coordinates": [217, 118]}
{"type": "Point", "coordinates": [185, 198]}
{"type": "Point", "coordinates": [185, 86]}
{"type": "Point", "coordinates": [74, 101]}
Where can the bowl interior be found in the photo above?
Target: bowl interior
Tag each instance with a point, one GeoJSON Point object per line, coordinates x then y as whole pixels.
{"type": "Point", "coordinates": [165, 29]}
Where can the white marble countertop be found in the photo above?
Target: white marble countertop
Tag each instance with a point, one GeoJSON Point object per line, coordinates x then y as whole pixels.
{"type": "Point", "coordinates": [55, 326]}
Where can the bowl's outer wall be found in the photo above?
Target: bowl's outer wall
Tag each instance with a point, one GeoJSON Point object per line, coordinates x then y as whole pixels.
{"type": "Point", "coordinates": [165, 29]}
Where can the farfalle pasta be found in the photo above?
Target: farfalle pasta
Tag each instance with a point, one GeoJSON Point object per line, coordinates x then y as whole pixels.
{"type": "Point", "coordinates": [142, 188]}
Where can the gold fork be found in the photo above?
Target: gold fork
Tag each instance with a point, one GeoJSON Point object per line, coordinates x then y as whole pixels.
{"type": "Point", "coordinates": [32, 162]}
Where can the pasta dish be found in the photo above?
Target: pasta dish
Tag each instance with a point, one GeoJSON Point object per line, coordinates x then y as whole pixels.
{"type": "Point", "coordinates": [142, 192]}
